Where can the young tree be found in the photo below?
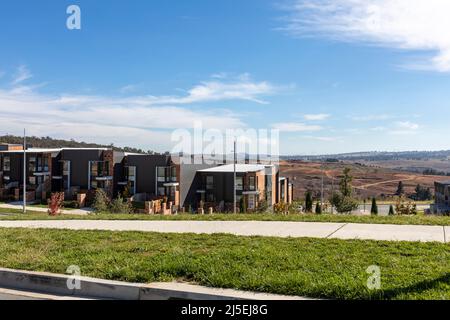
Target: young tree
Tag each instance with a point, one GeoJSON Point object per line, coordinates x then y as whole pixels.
{"type": "Point", "coordinates": [343, 200]}
{"type": "Point", "coordinates": [374, 209]}
{"type": "Point", "coordinates": [101, 201]}
{"type": "Point", "coordinates": [318, 208]}
{"type": "Point", "coordinates": [345, 185]}
{"type": "Point", "coordinates": [308, 202]}
{"type": "Point", "coordinates": [118, 205]}
{"type": "Point", "coordinates": [391, 210]}
{"type": "Point", "coordinates": [400, 189]}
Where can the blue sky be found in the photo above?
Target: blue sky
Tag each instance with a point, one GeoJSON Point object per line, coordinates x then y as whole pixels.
{"type": "Point", "coordinates": [333, 76]}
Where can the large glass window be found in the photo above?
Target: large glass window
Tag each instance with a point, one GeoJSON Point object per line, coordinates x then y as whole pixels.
{"type": "Point", "coordinates": [161, 174]}
{"type": "Point", "coordinates": [239, 183]}
{"type": "Point", "coordinates": [32, 164]}
{"type": "Point", "coordinates": [174, 174]}
{"type": "Point", "coordinates": [251, 201]}
{"type": "Point", "coordinates": [251, 183]}
{"type": "Point", "coordinates": [131, 179]}
{"type": "Point", "coordinates": [45, 164]}
{"type": "Point", "coordinates": [209, 182]}
{"type": "Point", "coordinates": [32, 180]}
{"type": "Point", "coordinates": [66, 174]}
{"type": "Point", "coordinates": [7, 163]}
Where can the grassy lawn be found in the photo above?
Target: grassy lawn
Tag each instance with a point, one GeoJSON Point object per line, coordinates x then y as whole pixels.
{"type": "Point", "coordinates": [415, 220]}
{"type": "Point", "coordinates": [321, 268]}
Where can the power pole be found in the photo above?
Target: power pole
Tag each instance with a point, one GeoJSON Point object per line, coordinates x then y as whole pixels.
{"type": "Point", "coordinates": [234, 177]}
{"type": "Point", "coordinates": [321, 195]}
{"type": "Point", "coordinates": [332, 193]}
{"type": "Point", "coordinates": [24, 172]}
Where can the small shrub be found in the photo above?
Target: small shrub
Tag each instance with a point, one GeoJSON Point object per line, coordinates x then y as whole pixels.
{"type": "Point", "coordinates": [374, 208]}
{"type": "Point", "coordinates": [318, 208]}
{"type": "Point", "coordinates": [101, 201]}
{"type": "Point", "coordinates": [71, 204]}
{"type": "Point", "coordinates": [391, 210]}
{"type": "Point", "coordinates": [55, 203]}
{"type": "Point", "coordinates": [118, 205]}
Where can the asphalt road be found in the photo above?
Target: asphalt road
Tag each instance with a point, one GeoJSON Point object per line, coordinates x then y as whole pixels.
{"type": "Point", "coordinates": [11, 294]}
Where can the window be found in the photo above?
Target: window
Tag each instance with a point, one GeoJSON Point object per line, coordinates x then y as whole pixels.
{"type": "Point", "coordinates": [209, 182]}
{"type": "Point", "coordinates": [7, 164]}
{"type": "Point", "coordinates": [45, 164]}
{"type": "Point", "coordinates": [32, 181]}
{"type": "Point", "coordinates": [32, 164]}
{"type": "Point", "coordinates": [210, 197]}
{"type": "Point", "coordinates": [130, 175]}
{"type": "Point", "coordinates": [251, 202]}
{"type": "Point", "coordinates": [66, 174]}
{"type": "Point", "coordinates": [174, 174]}
{"type": "Point", "coordinates": [161, 174]}
{"type": "Point", "coordinates": [161, 191]}
{"type": "Point", "coordinates": [239, 183]}
{"type": "Point", "coordinates": [251, 183]}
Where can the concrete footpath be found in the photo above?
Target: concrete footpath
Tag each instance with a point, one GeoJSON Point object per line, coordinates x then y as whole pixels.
{"type": "Point", "coordinates": [18, 206]}
{"type": "Point", "coordinates": [253, 228]}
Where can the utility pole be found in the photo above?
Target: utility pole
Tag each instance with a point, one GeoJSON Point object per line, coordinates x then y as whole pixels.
{"type": "Point", "coordinates": [321, 195]}
{"type": "Point", "coordinates": [24, 172]}
{"type": "Point", "coordinates": [332, 193]}
{"type": "Point", "coordinates": [234, 177]}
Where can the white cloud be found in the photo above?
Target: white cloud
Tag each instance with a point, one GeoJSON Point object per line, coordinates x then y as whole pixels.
{"type": "Point", "coordinates": [295, 127]}
{"type": "Point", "coordinates": [324, 138]}
{"type": "Point", "coordinates": [404, 128]}
{"type": "Point", "coordinates": [128, 88]}
{"type": "Point", "coordinates": [240, 89]}
{"type": "Point", "coordinates": [143, 121]}
{"type": "Point", "coordinates": [407, 125]}
{"type": "Point", "coordinates": [22, 74]}
{"type": "Point", "coordinates": [403, 24]}
{"type": "Point", "coordinates": [372, 117]}
{"type": "Point", "coordinates": [316, 117]}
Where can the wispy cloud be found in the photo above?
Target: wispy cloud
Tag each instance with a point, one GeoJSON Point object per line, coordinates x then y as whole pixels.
{"type": "Point", "coordinates": [402, 24]}
{"type": "Point", "coordinates": [22, 73]}
{"type": "Point", "coordinates": [128, 88]}
{"type": "Point", "coordinates": [295, 127]}
{"type": "Point", "coordinates": [134, 120]}
{"type": "Point", "coordinates": [404, 128]}
{"type": "Point", "coordinates": [316, 117]}
{"type": "Point", "coordinates": [372, 117]}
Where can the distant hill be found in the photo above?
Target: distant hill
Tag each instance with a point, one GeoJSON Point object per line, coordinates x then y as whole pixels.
{"type": "Point", "coordinates": [48, 142]}
{"type": "Point", "coordinates": [375, 156]}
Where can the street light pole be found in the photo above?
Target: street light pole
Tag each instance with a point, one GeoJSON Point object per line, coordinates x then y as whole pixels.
{"type": "Point", "coordinates": [24, 172]}
{"type": "Point", "coordinates": [321, 195]}
{"type": "Point", "coordinates": [234, 177]}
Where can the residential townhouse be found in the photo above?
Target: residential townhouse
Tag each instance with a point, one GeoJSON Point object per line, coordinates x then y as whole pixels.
{"type": "Point", "coordinates": [442, 198]}
{"type": "Point", "coordinates": [78, 172]}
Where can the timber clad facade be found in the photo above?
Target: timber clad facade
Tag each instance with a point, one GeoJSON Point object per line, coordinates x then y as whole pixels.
{"type": "Point", "coordinates": [442, 198]}
{"type": "Point", "coordinates": [139, 177]}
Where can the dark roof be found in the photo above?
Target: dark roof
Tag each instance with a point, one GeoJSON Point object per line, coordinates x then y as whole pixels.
{"type": "Point", "coordinates": [444, 182]}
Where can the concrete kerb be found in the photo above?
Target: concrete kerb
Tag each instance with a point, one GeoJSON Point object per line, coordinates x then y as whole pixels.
{"type": "Point", "coordinates": [49, 283]}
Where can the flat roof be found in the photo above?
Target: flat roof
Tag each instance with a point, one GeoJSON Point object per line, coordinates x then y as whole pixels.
{"type": "Point", "coordinates": [241, 168]}
{"type": "Point", "coordinates": [51, 150]}
{"type": "Point", "coordinates": [32, 150]}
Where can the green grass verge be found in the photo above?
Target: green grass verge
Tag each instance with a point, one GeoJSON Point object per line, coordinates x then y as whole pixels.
{"type": "Point", "coordinates": [413, 220]}
{"type": "Point", "coordinates": [322, 268]}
